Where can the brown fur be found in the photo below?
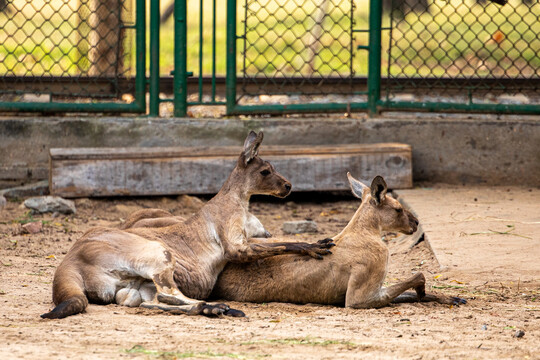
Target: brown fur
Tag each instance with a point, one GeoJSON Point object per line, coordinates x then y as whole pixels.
{"type": "Point", "coordinates": [352, 276]}
{"type": "Point", "coordinates": [171, 267]}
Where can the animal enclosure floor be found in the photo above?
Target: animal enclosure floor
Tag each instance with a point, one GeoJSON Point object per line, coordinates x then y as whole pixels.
{"type": "Point", "coordinates": [498, 306]}
{"type": "Point", "coordinates": [491, 232]}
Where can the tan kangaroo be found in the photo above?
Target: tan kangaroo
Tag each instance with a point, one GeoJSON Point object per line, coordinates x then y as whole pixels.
{"type": "Point", "coordinates": [352, 276]}
{"type": "Point", "coordinates": [172, 267]}
{"type": "Point", "coordinates": [154, 218]}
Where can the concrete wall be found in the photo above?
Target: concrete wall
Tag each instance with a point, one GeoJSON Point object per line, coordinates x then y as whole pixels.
{"type": "Point", "coordinates": [446, 148]}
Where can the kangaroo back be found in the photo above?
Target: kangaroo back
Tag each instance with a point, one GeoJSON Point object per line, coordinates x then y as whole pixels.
{"type": "Point", "coordinates": [68, 292]}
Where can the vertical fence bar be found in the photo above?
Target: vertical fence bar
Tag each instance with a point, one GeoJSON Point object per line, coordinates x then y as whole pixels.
{"type": "Point", "coordinates": [201, 39]}
{"type": "Point", "coordinates": [154, 58]}
{"type": "Point", "coordinates": [231, 56]}
{"type": "Point", "coordinates": [213, 50]}
{"type": "Point", "coordinates": [180, 58]}
{"type": "Point", "coordinates": [140, 50]}
{"type": "Point", "coordinates": [374, 60]}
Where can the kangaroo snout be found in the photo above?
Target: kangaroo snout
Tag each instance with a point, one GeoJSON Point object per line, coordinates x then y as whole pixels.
{"type": "Point", "coordinates": [288, 188]}
{"type": "Point", "coordinates": [413, 222]}
{"type": "Point", "coordinates": [285, 189]}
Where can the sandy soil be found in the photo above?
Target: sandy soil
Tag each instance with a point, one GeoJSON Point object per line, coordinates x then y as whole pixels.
{"type": "Point", "coordinates": [484, 328]}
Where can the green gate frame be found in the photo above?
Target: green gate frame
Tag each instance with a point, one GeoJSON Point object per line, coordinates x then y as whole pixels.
{"type": "Point", "coordinates": [139, 103]}
{"type": "Point", "coordinates": [374, 104]}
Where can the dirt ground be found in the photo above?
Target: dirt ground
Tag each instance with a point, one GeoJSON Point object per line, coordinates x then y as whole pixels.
{"type": "Point", "coordinates": [485, 328]}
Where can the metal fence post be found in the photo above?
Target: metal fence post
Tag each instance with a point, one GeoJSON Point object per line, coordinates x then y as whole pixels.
{"type": "Point", "coordinates": [154, 58]}
{"type": "Point", "coordinates": [374, 60]}
{"type": "Point", "coordinates": [180, 58]}
{"type": "Point", "coordinates": [231, 56]}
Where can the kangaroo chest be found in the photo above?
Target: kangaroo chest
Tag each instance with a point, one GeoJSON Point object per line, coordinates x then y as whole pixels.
{"type": "Point", "coordinates": [198, 267]}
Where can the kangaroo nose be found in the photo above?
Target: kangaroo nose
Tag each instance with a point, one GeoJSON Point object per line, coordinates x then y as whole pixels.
{"type": "Point", "coordinates": [288, 187]}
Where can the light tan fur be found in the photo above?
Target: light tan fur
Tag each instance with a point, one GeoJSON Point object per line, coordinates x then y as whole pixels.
{"type": "Point", "coordinates": [154, 218]}
{"type": "Point", "coordinates": [352, 276]}
{"type": "Point", "coordinates": [181, 261]}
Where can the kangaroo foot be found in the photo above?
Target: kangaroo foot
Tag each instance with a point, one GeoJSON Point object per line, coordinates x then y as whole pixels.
{"type": "Point", "coordinates": [194, 309]}
{"type": "Point", "coordinates": [175, 300]}
{"type": "Point", "coordinates": [234, 313]}
{"type": "Point", "coordinates": [451, 300]}
{"type": "Point", "coordinates": [411, 297]}
{"type": "Point", "coordinates": [212, 310]}
{"type": "Point", "coordinates": [421, 287]}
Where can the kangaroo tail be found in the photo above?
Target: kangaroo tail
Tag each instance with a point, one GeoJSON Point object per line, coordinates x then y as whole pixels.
{"type": "Point", "coordinates": [68, 293]}
{"type": "Point", "coordinates": [142, 215]}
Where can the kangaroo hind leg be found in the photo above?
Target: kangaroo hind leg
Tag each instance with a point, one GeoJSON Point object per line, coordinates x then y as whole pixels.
{"type": "Point", "coordinates": [158, 266]}
{"type": "Point", "coordinates": [365, 292]}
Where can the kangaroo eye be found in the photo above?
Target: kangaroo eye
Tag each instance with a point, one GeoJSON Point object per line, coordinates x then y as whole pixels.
{"type": "Point", "coordinates": [400, 210]}
{"type": "Point", "coordinates": [265, 172]}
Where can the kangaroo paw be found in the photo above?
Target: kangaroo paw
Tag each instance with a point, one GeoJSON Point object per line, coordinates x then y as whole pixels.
{"type": "Point", "coordinates": [320, 248]}
{"type": "Point", "coordinates": [326, 243]}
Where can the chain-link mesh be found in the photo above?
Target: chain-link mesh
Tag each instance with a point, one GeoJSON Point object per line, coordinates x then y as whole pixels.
{"type": "Point", "coordinates": [464, 50]}
{"type": "Point", "coordinates": [65, 48]}
{"type": "Point", "coordinates": [302, 46]}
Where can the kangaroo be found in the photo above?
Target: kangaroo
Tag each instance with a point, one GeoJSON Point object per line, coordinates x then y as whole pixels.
{"type": "Point", "coordinates": [154, 218]}
{"type": "Point", "coordinates": [352, 276]}
{"type": "Point", "coordinates": [172, 267]}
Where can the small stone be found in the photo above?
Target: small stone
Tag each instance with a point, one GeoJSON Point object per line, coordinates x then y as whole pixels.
{"type": "Point", "coordinates": [519, 334]}
{"type": "Point", "coordinates": [299, 227]}
{"type": "Point", "coordinates": [33, 227]}
{"type": "Point", "coordinates": [52, 204]}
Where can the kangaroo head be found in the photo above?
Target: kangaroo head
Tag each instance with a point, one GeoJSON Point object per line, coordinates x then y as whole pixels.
{"type": "Point", "coordinates": [388, 213]}
{"type": "Point", "coordinates": [259, 176]}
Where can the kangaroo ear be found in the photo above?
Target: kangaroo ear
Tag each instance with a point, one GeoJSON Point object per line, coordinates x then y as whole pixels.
{"type": "Point", "coordinates": [357, 187]}
{"type": "Point", "coordinates": [378, 189]}
{"type": "Point", "coordinates": [251, 146]}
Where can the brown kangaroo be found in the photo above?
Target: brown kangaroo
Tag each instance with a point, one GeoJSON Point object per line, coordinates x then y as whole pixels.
{"type": "Point", "coordinates": [352, 276]}
{"type": "Point", "coordinates": [171, 267]}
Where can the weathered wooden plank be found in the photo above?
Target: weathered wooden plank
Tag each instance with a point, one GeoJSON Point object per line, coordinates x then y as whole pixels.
{"type": "Point", "coordinates": [167, 152]}
{"type": "Point", "coordinates": [166, 171]}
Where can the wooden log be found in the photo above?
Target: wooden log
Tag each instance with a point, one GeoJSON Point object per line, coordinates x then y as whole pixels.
{"type": "Point", "coordinates": [84, 172]}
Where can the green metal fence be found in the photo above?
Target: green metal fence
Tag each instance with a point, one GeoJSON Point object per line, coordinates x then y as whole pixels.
{"type": "Point", "coordinates": [270, 56]}
{"type": "Point", "coordinates": [436, 55]}
{"type": "Point", "coordinates": [464, 56]}
{"type": "Point", "coordinates": [72, 55]}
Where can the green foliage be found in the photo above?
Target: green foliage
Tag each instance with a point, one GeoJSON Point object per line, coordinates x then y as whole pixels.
{"type": "Point", "coordinates": [138, 349]}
